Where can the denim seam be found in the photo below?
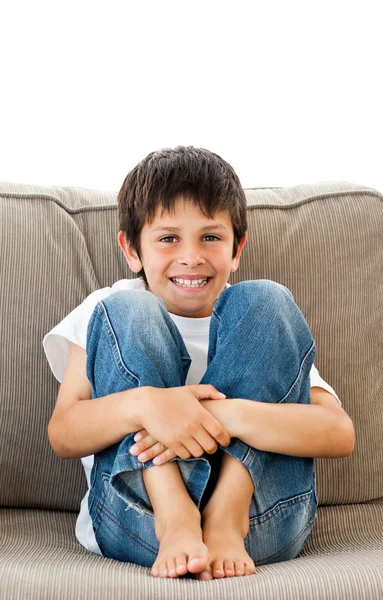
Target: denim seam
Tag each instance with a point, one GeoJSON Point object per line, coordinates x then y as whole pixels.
{"type": "Point", "coordinates": [279, 506]}
{"type": "Point", "coordinates": [218, 341]}
{"type": "Point", "coordinates": [120, 364]}
{"type": "Point", "coordinates": [276, 554]}
{"type": "Point", "coordinates": [308, 355]}
{"type": "Point", "coordinates": [233, 447]}
{"type": "Point", "coordinates": [90, 502]}
{"type": "Point", "coordinates": [302, 531]}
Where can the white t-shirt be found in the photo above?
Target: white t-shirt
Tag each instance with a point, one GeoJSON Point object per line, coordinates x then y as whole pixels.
{"type": "Point", "coordinates": [73, 328]}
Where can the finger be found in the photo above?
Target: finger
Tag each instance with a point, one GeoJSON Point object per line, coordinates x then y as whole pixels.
{"type": "Point", "coordinates": [140, 435]}
{"type": "Point", "coordinates": [143, 445]}
{"type": "Point", "coordinates": [180, 450]}
{"type": "Point", "coordinates": [164, 457]}
{"type": "Point", "coordinates": [193, 447]}
{"type": "Point", "coordinates": [216, 430]}
{"type": "Point", "coordinates": [156, 449]}
{"type": "Point", "coordinates": [207, 442]}
{"type": "Point", "coordinates": [206, 391]}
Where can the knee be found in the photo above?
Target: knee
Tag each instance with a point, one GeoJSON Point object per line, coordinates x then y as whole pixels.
{"type": "Point", "coordinates": [265, 287]}
{"type": "Point", "coordinates": [258, 293]}
{"type": "Point", "coordinates": [131, 301]}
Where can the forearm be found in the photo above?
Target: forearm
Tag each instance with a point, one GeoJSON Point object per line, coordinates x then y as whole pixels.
{"type": "Point", "coordinates": [294, 429]}
{"type": "Point", "coordinates": [89, 426]}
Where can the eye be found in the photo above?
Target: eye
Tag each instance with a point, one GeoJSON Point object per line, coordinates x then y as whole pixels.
{"type": "Point", "coordinates": [169, 237]}
{"type": "Point", "coordinates": [172, 237]}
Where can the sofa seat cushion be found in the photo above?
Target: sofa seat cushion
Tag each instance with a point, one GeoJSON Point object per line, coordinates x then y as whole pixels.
{"type": "Point", "coordinates": [41, 559]}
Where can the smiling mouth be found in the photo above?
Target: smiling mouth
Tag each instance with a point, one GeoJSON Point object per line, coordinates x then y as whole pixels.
{"type": "Point", "coordinates": [192, 286]}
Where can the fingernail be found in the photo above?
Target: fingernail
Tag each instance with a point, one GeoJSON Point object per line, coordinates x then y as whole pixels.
{"type": "Point", "coordinates": [134, 450]}
{"type": "Point", "coordinates": [222, 395]}
{"type": "Point", "coordinates": [137, 437]}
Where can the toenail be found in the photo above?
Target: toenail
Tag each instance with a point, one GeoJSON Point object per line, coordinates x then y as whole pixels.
{"type": "Point", "coordinates": [229, 572]}
{"type": "Point", "coordinates": [172, 572]}
{"type": "Point", "coordinates": [218, 572]}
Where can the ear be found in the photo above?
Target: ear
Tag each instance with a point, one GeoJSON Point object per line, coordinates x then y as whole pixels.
{"type": "Point", "coordinates": [130, 254]}
{"type": "Point", "coordinates": [235, 261]}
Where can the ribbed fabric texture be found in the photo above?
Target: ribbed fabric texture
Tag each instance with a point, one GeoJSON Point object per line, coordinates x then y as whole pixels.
{"type": "Point", "coordinates": [322, 241]}
{"type": "Point", "coordinates": [40, 559]}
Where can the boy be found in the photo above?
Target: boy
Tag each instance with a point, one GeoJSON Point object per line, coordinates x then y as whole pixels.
{"type": "Point", "coordinates": [213, 382]}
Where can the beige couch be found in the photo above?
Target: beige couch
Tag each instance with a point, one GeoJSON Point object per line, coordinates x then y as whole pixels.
{"type": "Point", "coordinates": [325, 243]}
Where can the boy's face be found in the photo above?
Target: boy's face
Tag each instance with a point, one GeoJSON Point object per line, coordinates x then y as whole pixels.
{"type": "Point", "coordinates": [201, 247]}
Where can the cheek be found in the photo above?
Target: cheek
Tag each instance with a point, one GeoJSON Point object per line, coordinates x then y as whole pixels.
{"type": "Point", "coordinates": [157, 265]}
{"type": "Point", "coordinates": [224, 259]}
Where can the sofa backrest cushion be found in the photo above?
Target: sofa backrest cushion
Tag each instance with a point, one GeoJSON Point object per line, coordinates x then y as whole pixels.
{"type": "Point", "coordinates": [323, 242]}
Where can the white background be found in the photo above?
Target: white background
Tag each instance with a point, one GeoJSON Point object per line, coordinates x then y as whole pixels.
{"type": "Point", "coordinates": [287, 91]}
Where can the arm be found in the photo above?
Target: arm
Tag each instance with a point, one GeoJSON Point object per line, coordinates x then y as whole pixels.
{"type": "Point", "coordinates": [88, 426]}
{"type": "Point", "coordinates": [80, 426]}
{"type": "Point", "coordinates": [321, 429]}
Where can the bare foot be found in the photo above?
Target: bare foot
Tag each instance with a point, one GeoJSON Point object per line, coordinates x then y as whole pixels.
{"type": "Point", "coordinates": [227, 553]}
{"type": "Point", "coordinates": [181, 549]}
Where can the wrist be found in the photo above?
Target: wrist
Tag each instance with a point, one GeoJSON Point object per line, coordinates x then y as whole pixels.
{"type": "Point", "coordinates": [132, 407]}
{"type": "Point", "coordinates": [225, 411]}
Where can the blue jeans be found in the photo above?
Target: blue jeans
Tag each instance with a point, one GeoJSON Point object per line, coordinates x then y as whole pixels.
{"type": "Point", "coordinates": [260, 348]}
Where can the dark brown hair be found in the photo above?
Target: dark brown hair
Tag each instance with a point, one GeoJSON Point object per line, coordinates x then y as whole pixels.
{"type": "Point", "coordinates": [201, 176]}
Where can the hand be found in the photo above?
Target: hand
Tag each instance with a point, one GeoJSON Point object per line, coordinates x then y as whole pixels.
{"type": "Point", "coordinates": [175, 417]}
{"type": "Point", "coordinates": [147, 448]}
{"type": "Point", "coordinates": [228, 412]}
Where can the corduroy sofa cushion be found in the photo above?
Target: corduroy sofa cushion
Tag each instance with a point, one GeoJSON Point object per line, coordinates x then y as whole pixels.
{"type": "Point", "coordinates": [40, 559]}
{"type": "Point", "coordinates": [324, 242]}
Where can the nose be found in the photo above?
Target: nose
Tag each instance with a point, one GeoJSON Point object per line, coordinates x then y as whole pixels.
{"type": "Point", "coordinates": [191, 258]}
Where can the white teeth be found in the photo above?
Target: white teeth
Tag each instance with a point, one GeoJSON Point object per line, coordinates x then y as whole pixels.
{"type": "Point", "coordinates": [190, 283]}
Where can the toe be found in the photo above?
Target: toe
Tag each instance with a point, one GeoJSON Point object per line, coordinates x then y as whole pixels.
{"type": "Point", "coordinates": [172, 567]}
{"type": "Point", "coordinates": [181, 564]}
{"type": "Point", "coordinates": [197, 563]}
{"type": "Point", "coordinates": [155, 570]}
{"type": "Point", "coordinates": [205, 575]}
{"type": "Point", "coordinates": [217, 569]}
{"type": "Point", "coordinates": [239, 568]}
{"type": "Point", "coordinates": [163, 570]}
{"type": "Point", "coordinates": [249, 569]}
{"type": "Point", "coordinates": [229, 568]}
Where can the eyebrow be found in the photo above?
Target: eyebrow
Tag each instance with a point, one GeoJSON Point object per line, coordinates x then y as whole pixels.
{"type": "Point", "coordinates": [208, 227]}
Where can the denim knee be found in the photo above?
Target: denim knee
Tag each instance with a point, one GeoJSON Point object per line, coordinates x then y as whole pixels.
{"type": "Point", "coordinates": [139, 300]}
{"type": "Point", "coordinates": [260, 292]}
{"type": "Point", "coordinates": [263, 288]}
